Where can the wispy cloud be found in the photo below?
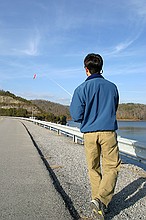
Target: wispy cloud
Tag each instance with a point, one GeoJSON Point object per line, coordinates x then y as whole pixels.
{"type": "Point", "coordinates": [44, 96]}
{"type": "Point", "coordinates": [19, 40]}
{"type": "Point", "coordinates": [124, 45]}
{"type": "Point", "coordinates": [32, 44]}
{"type": "Point", "coordinates": [32, 49]}
{"type": "Point", "coordinates": [139, 7]}
{"type": "Point", "coordinates": [31, 95]}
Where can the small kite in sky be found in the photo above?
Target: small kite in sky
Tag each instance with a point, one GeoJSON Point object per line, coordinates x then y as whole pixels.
{"type": "Point", "coordinates": [34, 76]}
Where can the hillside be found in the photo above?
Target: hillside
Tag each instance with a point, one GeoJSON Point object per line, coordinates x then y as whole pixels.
{"type": "Point", "coordinates": [15, 105]}
{"type": "Point", "coordinates": [128, 111]}
{"type": "Point", "coordinates": [51, 107]}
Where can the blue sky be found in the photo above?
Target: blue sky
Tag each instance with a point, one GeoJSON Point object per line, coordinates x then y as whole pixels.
{"type": "Point", "coordinates": [51, 38]}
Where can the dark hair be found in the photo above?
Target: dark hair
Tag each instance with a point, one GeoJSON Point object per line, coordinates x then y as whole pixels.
{"type": "Point", "coordinates": [93, 62]}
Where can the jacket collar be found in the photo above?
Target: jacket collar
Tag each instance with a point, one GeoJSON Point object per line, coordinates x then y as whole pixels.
{"type": "Point", "coordinates": [95, 75]}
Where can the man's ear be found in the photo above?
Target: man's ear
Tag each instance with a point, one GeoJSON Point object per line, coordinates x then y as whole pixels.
{"type": "Point", "coordinates": [87, 71]}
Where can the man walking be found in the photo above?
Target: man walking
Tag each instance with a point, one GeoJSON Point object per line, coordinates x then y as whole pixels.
{"type": "Point", "coordinates": [94, 105]}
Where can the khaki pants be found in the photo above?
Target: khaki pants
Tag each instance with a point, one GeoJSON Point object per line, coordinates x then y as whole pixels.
{"type": "Point", "coordinates": [103, 180]}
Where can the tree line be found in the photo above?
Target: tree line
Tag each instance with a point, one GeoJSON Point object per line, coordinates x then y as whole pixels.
{"type": "Point", "coordinates": [131, 111]}
{"type": "Point", "coordinates": [52, 118]}
{"type": "Point", "coordinates": [21, 112]}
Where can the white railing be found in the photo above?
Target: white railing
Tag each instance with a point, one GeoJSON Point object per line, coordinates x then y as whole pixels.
{"type": "Point", "coordinates": [129, 147]}
{"type": "Point", "coordinates": [132, 148]}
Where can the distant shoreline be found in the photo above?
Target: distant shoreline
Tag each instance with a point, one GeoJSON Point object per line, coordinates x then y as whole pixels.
{"type": "Point", "coordinates": [134, 120]}
{"type": "Point", "coordinates": [130, 120]}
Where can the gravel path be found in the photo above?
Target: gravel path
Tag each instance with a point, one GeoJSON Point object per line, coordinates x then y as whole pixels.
{"type": "Point", "coordinates": [68, 162]}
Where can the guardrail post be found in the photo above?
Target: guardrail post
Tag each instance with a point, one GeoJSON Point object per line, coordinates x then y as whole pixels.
{"type": "Point", "coordinates": [75, 139]}
{"type": "Point", "coordinates": [58, 131]}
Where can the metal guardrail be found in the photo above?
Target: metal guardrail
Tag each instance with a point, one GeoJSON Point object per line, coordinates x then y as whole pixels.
{"type": "Point", "coordinates": [129, 147]}
{"type": "Point", "coordinates": [132, 148]}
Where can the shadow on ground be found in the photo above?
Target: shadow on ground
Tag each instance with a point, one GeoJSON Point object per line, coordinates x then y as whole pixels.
{"type": "Point", "coordinates": [127, 197]}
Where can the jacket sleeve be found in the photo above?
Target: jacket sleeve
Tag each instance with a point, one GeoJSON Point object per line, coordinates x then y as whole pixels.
{"type": "Point", "coordinates": [77, 106]}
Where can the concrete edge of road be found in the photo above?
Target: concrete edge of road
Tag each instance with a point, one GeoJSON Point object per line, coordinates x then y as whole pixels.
{"type": "Point", "coordinates": [67, 200]}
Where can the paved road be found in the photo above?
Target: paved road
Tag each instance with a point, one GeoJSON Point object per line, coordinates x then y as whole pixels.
{"type": "Point", "coordinates": [26, 190]}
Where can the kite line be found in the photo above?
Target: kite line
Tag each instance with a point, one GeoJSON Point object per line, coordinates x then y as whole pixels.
{"type": "Point", "coordinates": [61, 87]}
{"type": "Point", "coordinates": [35, 75]}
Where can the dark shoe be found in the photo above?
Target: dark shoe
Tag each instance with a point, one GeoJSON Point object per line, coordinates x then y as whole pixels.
{"type": "Point", "coordinates": [98, 209]}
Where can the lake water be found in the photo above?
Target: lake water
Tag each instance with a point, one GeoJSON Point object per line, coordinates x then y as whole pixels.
{"type": "Point", "coordinates": [135, 130]}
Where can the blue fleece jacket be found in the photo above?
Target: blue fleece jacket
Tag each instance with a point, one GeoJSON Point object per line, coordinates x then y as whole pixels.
{"type": "Point", "coordinates": [94, 104]}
